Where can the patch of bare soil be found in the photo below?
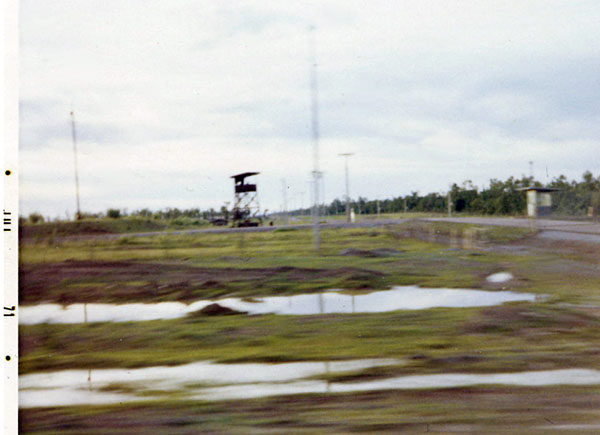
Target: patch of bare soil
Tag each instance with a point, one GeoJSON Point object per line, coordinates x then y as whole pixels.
{"type": "Point", "coordinates": [88, 281]}
{"type": "Point", "coordinates": [373, 253]}
{"type": "Point", "coordinates": [527, 322]}
{"type": "Point", "coordinates": [216, 310]}
{"type": "Point", "coordinates": [589, 251]}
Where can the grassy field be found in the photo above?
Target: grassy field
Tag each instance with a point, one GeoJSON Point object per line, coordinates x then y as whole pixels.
{"type": "Point", "coordinates": [473, 410]}
{"type": "Point", "coordinates": [188, 267]}
{"type": "Point", "coordinates": [49, 231]}
{"type": "Point", "coordinates": [558, 331]}
{"type": "Point", "coordinates": [130, 224]}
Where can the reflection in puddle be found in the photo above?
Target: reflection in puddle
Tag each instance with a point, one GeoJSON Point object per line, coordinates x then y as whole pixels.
{"type": "Point", "coordinates": [398, 298]}
{"type": "Point", "coordinates": [210, 381]}
{"type": "Point", "coordinates": [534, 379]}
{"type": "Point", "coordinates": [69, 387]}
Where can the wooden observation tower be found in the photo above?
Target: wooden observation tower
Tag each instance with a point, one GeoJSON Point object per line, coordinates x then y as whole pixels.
{"type": "Point", "coordinates": [245, 205]}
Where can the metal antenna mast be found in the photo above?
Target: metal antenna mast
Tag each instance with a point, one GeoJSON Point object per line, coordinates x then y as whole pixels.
{"type": "Point", "coordinates": [346, 155]}
{"type": "Point", "coordinates": [315, 137]}
{"type": "Point", "coordinates": [78, 215]}
{"type": "Point", "coordinates": [284, 205]}
{"type": "Point", "coordinates": [323, 205]}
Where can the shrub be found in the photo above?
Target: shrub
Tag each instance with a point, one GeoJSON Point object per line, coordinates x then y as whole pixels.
{"type": "Point", "coordinates": [113, 213]}
{"type": "Point", "coordinates": [35, 218]}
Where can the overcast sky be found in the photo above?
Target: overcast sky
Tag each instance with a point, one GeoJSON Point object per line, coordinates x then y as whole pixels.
{"type": "Point", "coordinates": [173, 97]}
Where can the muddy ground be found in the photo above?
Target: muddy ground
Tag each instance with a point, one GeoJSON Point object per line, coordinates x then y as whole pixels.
{"type": "Point", "coordinates": [472, 410]}
{"type": "Point", "coordinates": [560, 331]}
{"type": "Point", "coordinates": [126, 281]}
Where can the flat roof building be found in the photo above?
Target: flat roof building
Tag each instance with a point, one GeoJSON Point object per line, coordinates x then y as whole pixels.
{"type": "Point", "coordinates": [539, 200]}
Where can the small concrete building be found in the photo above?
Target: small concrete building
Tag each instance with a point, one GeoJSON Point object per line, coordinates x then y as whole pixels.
{"type": "Point", "coordinates": [539, 200]}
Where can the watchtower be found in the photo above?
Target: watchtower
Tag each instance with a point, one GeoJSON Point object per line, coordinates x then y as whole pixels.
{"type": "Point", "coordinates": [245, 206]}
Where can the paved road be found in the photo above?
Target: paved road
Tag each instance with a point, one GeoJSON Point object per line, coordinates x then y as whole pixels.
{"type": "Point", "coordinates": [550, 229]}
{"type": "Point", "coordinates": [540, 224]}
{"type": "Point", "coordinates": [577, 231]}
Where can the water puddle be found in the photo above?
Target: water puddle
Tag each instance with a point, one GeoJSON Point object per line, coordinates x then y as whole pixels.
{"type": "Point", "coordinates": [500, 277]}
{"type": "Point", "coordinates": [71, 387]}
{"type": "Point", "coordinates": [452, 380]}
{"type": "Point", "coordinates": [330, 302]}
{"type": "Point", "coordinates": [210, 381]}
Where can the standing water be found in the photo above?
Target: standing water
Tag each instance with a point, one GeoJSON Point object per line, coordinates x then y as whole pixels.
{"type": "Point", "coordinates": [210, 381]}
{"type": "Point", "coordinates": [330, 302]}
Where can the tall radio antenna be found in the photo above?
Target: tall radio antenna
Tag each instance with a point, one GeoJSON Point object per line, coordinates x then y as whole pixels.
{"type": "Point", "coordinates": [78, 215]}
{"type": "Point", "coordinates": [315, 136]}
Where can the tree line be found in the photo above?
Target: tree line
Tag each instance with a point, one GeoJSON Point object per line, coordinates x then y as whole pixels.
{"type": "Point", "coordinates": [499, 198]}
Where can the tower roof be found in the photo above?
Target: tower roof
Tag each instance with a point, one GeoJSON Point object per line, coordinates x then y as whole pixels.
{"type": "Point", "coordinates": [240, 177]}
{"type": "Point", "coordinates": [539, 189]}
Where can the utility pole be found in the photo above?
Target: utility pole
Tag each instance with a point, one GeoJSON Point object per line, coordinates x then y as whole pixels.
{"type": "Point", "coordinates": [78, 215]}
{"type": "Point", "coordinates": [311, 192]}
{"type": "Point", "coordinates": [284, 192]}
{"type": "Point", "coordinates": [531, 171]}
{"type": "Point", "coordinates": [323, 206]}
{"type": "Point", "coordinates": [449, 204]}
{"type": "Point", "coordinates": [315, 137]}
{"type": "Point", "coordinates": [346, 155]}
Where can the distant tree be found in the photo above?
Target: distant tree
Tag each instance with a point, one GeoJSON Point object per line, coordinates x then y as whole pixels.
{"type": "Point", "coordinates": [589, 183]}
{"type": "Point", "coordinates": [411, 201]}
{"type": "Point", "coordinates": [146, 213]}
{"type": "Point", "coordinates": [574, 198]}
{"type": "Point", "coordinates": [113, 213]}
{"type": "Point", "coordinates": [337, 206]}
{"type": "Point", "coordinates": [172, 213]}
{"type": "Point", "coordinates": [87, 215]}
{"type": "Point", "coordinates": [225, 212]}
{"type": "Point", "coordinates": [192, 213]}
{"type": "Point", "coordinates": [361, 203]}
{"type": "Point", "coordinates": [36, 218]}
{"type": "Point", "coordinates": [463, 196]}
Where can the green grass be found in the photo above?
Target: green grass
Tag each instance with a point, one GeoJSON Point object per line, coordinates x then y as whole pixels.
{"type": "Point", "coordinates": [561, 331]}
{"type": "Point", "coordinates": [50, 230]}
{"type": "Point", "coordinates": [510, 337]}
{"type": "Point", "coordinates": [179, 267]}
{"type": "Point", "coordinates": [196, 266]}
{"type": "Point", "coordinates": [475, 410]}
{"type": "Point", "coordinates": [201, 266]}
{"type": "Point", "coordinates": [208, 248]}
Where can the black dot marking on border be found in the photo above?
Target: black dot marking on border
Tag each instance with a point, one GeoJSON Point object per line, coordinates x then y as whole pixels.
{"type": "Point", "coordinates": [7, 357]}
{"type": "Point", "coordinates": [8, 172]}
